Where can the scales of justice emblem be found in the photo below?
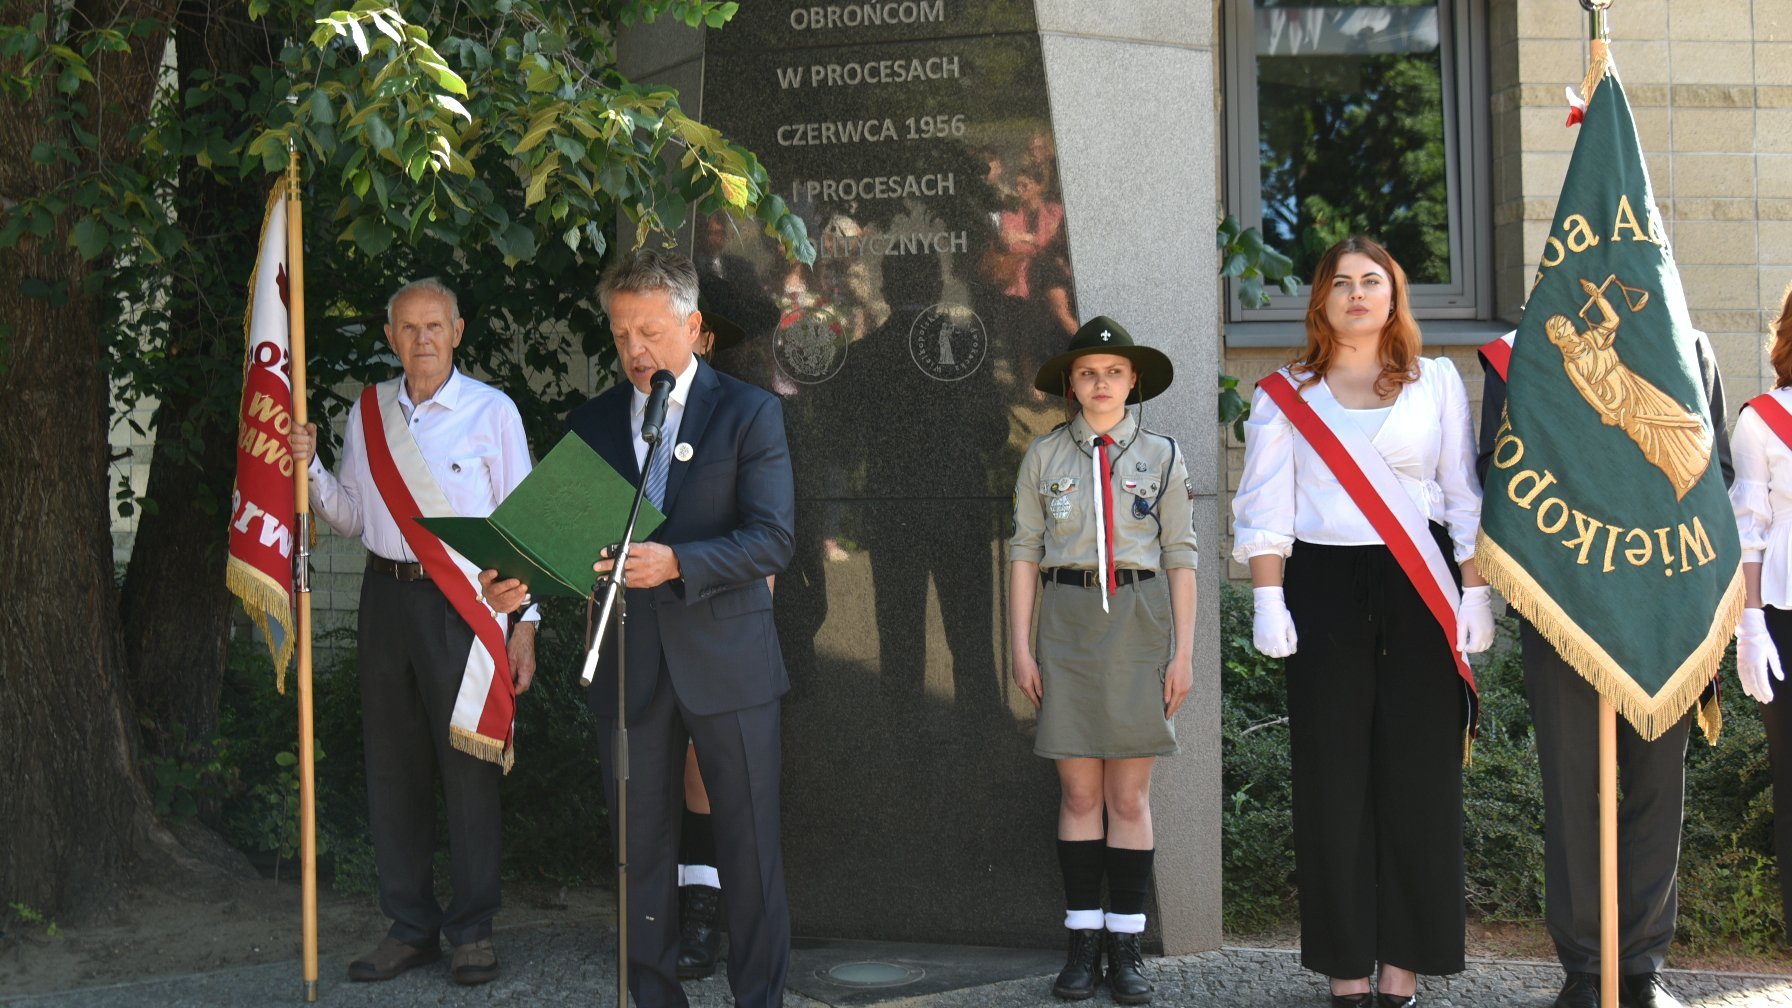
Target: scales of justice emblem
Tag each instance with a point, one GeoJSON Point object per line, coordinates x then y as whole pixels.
{"type": "Point", "coordinates": [1673, 439]}
{"type": "Point", "coordinates": [948, 342]}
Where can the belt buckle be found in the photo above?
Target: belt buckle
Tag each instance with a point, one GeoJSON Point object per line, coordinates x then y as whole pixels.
{"type": "Point", "coordinates": [1091, 579]}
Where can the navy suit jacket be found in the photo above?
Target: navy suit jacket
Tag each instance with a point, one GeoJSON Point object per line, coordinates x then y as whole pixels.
{"type": "Point", "coordinates": [731, 519]}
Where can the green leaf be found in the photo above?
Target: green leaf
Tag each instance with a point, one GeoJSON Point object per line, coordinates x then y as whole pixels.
{"type": "Point", "coordinates": [453, 105]}
{"type": "Point", "coordinates": [447, 79]}
{"type": "Point", "coordinates": [734, 189]}
{"type": "Point", "coordinates": [569, 148]}
{"type": "Point", "coordinates": [516, 241]}
{"type": "Point", "coordinates": [541, 80]}
{"type": "Point", "coordinates": [320, 109]}
{"type": "Point", "coordinates": [90, 238]}
{"type": "Point", "coordinates": [1291, 285]}
{"type": "Point", "coordinates": [373, 236]}
{"type": "Point", "coordinates": [1234, 265]}
{"type": "Point", "coordinates": [359, 35]}
{"type": "Point", "coordinates": [378, 133]}
{"type": "Point", "coordinates": [1250, 293]}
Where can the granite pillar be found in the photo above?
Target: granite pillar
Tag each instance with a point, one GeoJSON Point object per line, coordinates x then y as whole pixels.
{"type": "Point", "coordinates": [977, 178]}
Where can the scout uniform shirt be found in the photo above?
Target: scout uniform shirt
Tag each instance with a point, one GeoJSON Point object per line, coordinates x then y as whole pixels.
{"type": "Point", "coordinates": [1054, 500]}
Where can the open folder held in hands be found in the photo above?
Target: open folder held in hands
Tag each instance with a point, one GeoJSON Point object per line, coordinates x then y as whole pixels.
{"type": "Point", "coordinates": [554, 526]}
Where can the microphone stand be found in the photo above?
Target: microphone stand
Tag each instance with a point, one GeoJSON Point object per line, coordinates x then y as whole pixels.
{"type": "Point", "coordinates": [615, 592]}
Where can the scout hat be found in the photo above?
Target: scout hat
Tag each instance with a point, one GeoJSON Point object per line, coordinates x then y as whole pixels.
{"type": "Point", "coordinates": [716, 301]}
{"type": "Point", "coordinates": [1103, 335]}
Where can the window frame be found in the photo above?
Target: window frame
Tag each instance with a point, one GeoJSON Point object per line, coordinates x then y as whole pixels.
{"type": "Point", "coordinates": [1462, 31]}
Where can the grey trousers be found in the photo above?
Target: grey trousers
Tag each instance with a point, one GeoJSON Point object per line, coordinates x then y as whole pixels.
{"type": "Point", "coordinates": [412, 648]}
{"type": "Point", "coordinates": [738, 752]}
{"type": "Point", "coordinates": [1651, 789]}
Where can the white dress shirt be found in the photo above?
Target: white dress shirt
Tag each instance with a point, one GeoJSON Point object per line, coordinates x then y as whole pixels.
{"type": "Point", "coordinates": [1287, 492]}
{"type": "Point", "coordinates": [470, 435]}
{"type": "Point", "coordinates": [681, 393]}
{"type": "Point", "coordinates": [1762, 500]}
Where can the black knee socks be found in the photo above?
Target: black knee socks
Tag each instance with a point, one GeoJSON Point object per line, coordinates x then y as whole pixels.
{"type": "Point", "coordinates": [1081, 862]}
{"type": "Point", "coordinates": [1129, 880]}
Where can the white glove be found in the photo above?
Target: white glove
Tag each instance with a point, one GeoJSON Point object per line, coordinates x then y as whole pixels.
{"type": "Point", "coordinates": [1272, 628]}
{"type": "Point", "coordinates": [1756, 655]}
{"type": "Point", "coordinates": [1474, 620]}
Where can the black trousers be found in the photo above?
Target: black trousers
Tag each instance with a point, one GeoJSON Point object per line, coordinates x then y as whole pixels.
{"type": "Point", "coordinates": [1651, 790]}
{"type": "Point", "coordinates": [1375, 721]}
{"type": "Point", "coordinates": [1777, 718]}
{"type": "Point", "coordinates": [412, 648]}
{"type": "Point", "coordinates": [738, 752]}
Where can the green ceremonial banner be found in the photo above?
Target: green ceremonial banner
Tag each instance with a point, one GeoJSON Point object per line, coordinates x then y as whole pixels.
{"type": "Point", "coordinates": [1605, 520]}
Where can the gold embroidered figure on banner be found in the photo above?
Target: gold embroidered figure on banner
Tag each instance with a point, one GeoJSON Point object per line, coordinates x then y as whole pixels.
{"type": "Point", "coordinates": [1671, 438]}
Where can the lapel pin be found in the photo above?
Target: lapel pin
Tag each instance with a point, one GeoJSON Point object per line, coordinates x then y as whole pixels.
{"type": "Point", "coordinates": [683, 452]}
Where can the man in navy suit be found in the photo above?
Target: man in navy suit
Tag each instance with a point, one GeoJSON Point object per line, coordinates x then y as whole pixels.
{"type": "Point", "coordinates": [703, 659]}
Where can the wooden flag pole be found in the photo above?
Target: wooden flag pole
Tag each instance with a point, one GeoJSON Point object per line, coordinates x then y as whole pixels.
{"type": "Point", "coordinates": [1598, 36]}
{"type": "Point", "coordinates": [295, 286]}
{"type": "Point", "coordinates": [1608, 854]}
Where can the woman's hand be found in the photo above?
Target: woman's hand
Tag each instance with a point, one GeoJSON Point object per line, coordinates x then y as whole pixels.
{"type": "Point", "coordinates": [1272, 628]}
{"type": "Point", "coordinates": [1026, 676]}
{"type": "Point", "coordinates": [1178, 680]}
{"type": "Point", "coordinates": [1756, 656]}
{"type": "Point", "coordinates": [1474, 620]}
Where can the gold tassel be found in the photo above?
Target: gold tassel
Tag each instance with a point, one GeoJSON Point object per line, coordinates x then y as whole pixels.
{"type": "Point", "coordinates": [262, 595]}
{"type": "Point", "coordinates": [1651, 716]}
{"type": "Point", "coordinates": [482, 747]}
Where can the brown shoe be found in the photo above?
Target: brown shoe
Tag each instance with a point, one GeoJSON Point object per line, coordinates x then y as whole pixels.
{"type": "Point", "coordinates": [474, 963]}
{"type": "Point", "coordinates": [392, 958]}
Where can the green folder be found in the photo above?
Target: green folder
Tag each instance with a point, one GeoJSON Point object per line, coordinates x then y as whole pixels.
{"type": "Point", "coordinates": [554, 526]}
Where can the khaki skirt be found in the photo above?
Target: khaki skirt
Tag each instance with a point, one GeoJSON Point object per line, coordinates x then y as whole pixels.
{"type": "Point", "coordinates": [1103, 672]}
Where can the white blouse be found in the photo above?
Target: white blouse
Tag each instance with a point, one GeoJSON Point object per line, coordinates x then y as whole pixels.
{"type": "Point", "coordinates": [1287, 492]}
{"type": "Point", "coordinates": [1762, 500]}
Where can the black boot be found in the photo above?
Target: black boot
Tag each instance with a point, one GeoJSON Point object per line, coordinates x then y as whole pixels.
{"type": "Point", "coordinates": [1126, 970]}
{"type": "Point", "coordinates": [1082, 967]}
{"type": "Point", "coordinates": [698, 939]}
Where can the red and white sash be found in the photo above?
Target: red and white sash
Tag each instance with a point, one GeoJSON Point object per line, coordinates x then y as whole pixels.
{"type": "Point", "coordinates": [1498, 353]}
{"type": "Point", "coordinates": [1376, 491]}
{"type": "Point", "coordinates": [484, 712]}
{"type": "Point", "coordinates": [1773, 413]}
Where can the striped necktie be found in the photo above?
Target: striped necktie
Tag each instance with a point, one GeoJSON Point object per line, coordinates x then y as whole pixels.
{"type": "Point", "coordinates": [657, 468]}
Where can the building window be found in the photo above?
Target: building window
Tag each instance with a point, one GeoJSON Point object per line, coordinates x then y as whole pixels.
{"type": "Point", "coordinates": [1361, 118]}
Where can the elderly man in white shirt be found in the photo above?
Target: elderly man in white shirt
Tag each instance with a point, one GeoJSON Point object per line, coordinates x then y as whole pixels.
{"type": "Point", "coordinates": [413, 644]}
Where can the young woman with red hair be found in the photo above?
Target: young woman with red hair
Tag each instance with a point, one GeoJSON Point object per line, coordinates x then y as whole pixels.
{"type": "Point", "coordinates": [1376, 701]}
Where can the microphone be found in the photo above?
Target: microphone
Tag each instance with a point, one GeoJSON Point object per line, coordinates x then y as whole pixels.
{"type": "Point", "coordinates": [654, 416]}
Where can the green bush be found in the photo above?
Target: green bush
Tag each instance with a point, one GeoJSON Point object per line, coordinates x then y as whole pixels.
{"type": "Point", "coordinates": [555, 824]}
{"type": "Point", "coordinates": [1729, 895]}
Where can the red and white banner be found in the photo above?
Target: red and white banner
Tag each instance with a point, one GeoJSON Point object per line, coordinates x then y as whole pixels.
{"type": "Point", "coordinates": [261, 505]}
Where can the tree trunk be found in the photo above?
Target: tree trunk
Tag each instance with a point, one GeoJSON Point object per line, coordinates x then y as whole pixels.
{"type": "Point", "coordinates": [74, 808]}
{"type": "Point", "coordinates": [175, 607]}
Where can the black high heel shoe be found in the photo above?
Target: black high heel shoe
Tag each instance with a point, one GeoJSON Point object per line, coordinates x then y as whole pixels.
{"type": "Point", "coordinates": [1363, 1000]}
{"type": "Point", "coordinates": [1397, 1000]}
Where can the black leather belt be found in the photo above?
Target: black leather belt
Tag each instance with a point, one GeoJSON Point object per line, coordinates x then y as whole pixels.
{"type": "Point", "coordinates": [398, 570]}
{"type": "Point", "coordinates": [1092, 579]}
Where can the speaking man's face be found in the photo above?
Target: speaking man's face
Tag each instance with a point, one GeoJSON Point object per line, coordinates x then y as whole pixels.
{"type": "Point", "coordinates": [650, 335]}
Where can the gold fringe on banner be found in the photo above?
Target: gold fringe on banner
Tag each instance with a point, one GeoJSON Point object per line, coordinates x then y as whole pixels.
{"type": "Point", "coordinates": [1649, 715]}
{"type": "Point", "coordinates": [482, 747]}
{"type": "Point", "coordinates": [263, 597]}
